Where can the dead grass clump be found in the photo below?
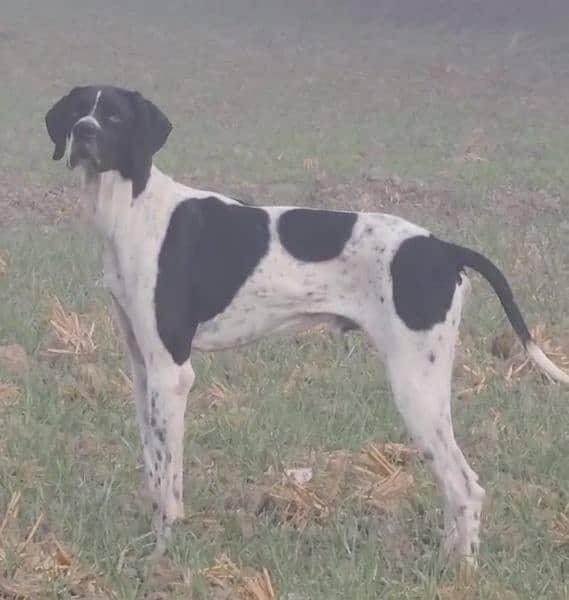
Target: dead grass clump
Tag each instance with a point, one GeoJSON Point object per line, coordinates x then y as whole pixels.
{"type": "Point", "coordinates": [35, 562]}
{"type": "Point", "coordinates": [225, 575]}
{"type": "Point", "coordinates": [3, 262]}
{"type": "Point", "coordinates": [377, 479]}
{"type": "Point", "coordinates": [520, 364]}
{"type": "Point", "coordinates": [506, 350]}
{"type": "Point", "coordinates": [297, 503]}
{"type": "Point", "coordinates": [375, 475]}
{"type": "Point", "coordinates": [74, 335]}
{"type": "Point", "coordinates": [472, 376]}
{"type": "Point", "coordinates": [560, 528]}
{"type": "Point", "coordinates": [477, 379]}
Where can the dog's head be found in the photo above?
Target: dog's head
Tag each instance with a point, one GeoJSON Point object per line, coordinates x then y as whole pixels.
{"type": "Point", "coordinates": [105, 128]}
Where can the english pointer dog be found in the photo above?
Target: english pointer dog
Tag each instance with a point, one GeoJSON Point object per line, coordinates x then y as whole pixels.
{"type": "Point", "coordinates": [190, 269]}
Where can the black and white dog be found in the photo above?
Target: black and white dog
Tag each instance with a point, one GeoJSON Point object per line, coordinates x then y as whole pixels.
{"type": "Point", "coordinates": [191, 269]}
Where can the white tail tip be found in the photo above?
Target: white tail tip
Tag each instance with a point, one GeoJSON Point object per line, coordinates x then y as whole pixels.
{"type": "Point", "coordinates": [546, 365]}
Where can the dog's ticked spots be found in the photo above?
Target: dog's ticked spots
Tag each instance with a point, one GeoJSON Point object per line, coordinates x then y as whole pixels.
{"type": "Point", "coordinates": [315, 235]}
{"type": "Point", "coordinates": [428, 455]}
{"type": "Point", "coordinates": [424, 282]}
{"type": "Point", "coordinates": [432, 357]}
{"type": "Point", "coordinates": [154, 506]}
{"type": "Point", "coordinates": [168, 457]}
{"type": "Point", "coordinates": [177, 494]}
{"type": "Point", "coordinates": [466, 482]}
{"type": "Point", "coordinates": [161, 435]}
{"type": "Point", "coordinates": [210, 249]}
{"type": "Point", "coordinates": [442, 437]}
{"type": "Point", "coordinates": [159, 455]}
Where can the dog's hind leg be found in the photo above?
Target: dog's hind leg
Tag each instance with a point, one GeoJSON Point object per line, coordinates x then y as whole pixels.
{"type": "Point", "coordinates": [419, 366]}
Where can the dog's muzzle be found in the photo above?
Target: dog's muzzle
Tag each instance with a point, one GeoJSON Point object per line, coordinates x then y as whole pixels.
{"type": "Point", "coordinates": [83, 144]}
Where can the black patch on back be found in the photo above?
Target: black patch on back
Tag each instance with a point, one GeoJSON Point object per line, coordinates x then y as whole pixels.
{"type": "Point", "coordinates": [315, 235]}
{"type": "Point", "coordinates": [424, 281]}
{"type": "Point", "coordinates": [209, 251]}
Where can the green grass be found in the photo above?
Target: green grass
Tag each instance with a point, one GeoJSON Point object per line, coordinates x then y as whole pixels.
{"type": "Point", "coordinates": [243, 114]}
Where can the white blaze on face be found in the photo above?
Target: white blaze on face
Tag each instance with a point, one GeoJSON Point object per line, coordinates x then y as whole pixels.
{"type": "Point", "coordinates": [90, 117]}
{"type": "Point", "coordinates": [68, 145]}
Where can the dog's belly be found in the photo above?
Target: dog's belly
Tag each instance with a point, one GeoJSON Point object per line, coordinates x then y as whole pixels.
{"type": "Point", "coordinates": [258, 313]}
{"type": "Point", "coordinates": [239, 330]}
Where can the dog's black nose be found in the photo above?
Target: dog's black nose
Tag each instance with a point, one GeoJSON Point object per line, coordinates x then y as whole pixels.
{"type": "Point", "coordinates": [85, 130]}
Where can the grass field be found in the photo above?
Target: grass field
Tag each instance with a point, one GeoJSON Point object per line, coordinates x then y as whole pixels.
{"type": "Point", "coordinates": [464, 132]}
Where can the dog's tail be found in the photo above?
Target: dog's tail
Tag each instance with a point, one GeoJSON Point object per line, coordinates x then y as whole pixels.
{"type": "Point", "coordinates": [473, 260]}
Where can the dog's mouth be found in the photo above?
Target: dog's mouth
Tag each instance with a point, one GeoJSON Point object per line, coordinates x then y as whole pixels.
{"type": "Point", "coordinates": [84, 153]}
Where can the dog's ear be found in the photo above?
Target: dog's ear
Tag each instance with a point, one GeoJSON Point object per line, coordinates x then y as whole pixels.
{"type": "Point", "coordinates": [151, 129]}
{"type": "Point", "coordinates": [151, 124]}
{"type": "Point", "coordinates": [58, 122]}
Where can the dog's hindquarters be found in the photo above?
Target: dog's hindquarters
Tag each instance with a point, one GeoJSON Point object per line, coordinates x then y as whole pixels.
{"type": "Point", "coordinates": [419, 367]}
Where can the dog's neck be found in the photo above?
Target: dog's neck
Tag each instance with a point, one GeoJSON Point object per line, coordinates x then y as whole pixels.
{"type": "Point", "coordinates": [108, 198]}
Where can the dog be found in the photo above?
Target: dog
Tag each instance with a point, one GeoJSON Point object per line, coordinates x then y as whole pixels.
{"type": "Point", "coordinates": [191, 269]}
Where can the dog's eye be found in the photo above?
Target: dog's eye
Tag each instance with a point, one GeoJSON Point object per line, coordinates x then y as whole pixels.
{"type": "Point", "coordinates": [80, 110]}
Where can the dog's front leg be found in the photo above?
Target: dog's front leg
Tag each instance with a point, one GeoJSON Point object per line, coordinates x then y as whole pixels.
{"type": "Point", "coordinates": [167, 392]}
{"type": "Point", "coordinates": [139, 383]}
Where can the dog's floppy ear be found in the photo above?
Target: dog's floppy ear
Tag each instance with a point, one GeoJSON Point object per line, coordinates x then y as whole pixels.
{"type": "Point", "coordinates": [58, 123]}
{"type": "Point", "coordinates": [151, 129]}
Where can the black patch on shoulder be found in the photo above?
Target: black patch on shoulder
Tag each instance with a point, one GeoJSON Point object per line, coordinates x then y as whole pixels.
{"type": "Point", "coordinates": [315, 235]}
{"type": "Point", "coordinates": [209, 251]}
{"type": "Point", "coordinates": [424, 281]}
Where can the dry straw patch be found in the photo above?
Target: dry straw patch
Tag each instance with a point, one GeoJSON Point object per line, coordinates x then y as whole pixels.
{"type": "Point", "coordinates": [73, 333]}
{"type": "Point", "coordinates": [226, 576]}
{"type": "Point", "coordinates": [3, 262]}
{"type": "Point", "coordinates": [375, 475]}
{"type": "Point", "coordinates": [521, 364]}
{"type": "Point", "coordinates": [560, 528]}
{"type": "Point", "coordinates": [378, 476]}
{"type": "Point", "coordinates": [473, 376]}
{"type": "Point", "coordinates": [510, 362]}
{"type": "Point", "coordinates": [40, 560]}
